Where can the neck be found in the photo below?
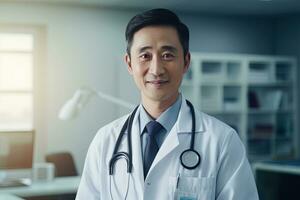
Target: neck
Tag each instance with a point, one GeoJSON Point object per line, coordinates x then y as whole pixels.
{"type": "Point", "coordinates": [156, 108]}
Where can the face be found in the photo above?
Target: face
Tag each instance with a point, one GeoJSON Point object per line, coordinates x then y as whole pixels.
{"type": "Point", "coordinates": [157, 63]}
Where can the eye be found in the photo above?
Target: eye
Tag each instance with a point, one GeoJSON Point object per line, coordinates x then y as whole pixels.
{"type": "Point", "coordinates": [145, 56]}
{"type": "Point", "coordinates": [168, 56]}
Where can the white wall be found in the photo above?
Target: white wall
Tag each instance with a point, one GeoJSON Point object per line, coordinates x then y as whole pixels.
{"type": "Point", "coordinates": [85, 47]}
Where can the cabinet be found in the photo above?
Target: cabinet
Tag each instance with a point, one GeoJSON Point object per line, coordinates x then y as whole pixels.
{"type": "Point", "coordinates": [254, 94]}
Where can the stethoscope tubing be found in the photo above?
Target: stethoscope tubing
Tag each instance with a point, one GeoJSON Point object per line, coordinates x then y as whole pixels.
{"type": "Point", "coordinates": [193, 125]}
{"type": "Point", "coordinates": [119, 155]}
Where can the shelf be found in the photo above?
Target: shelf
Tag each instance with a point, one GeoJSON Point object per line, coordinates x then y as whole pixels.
{"type": "Point", "coordinates": [232, 83]}
{"type": "Point", "coordinates": [232, 98]}
{"type": "Point", "coordinates": [234, 71]}
{"type": "Point", "coordinates": [282, 138]}
{"type": "Point", "coordinates": [259, 72]}
{"type": "Point", "coordinates": [212, 70]}
{"type": "Point", "coordinates": [254, 94]}
{"type": "Point", "coordinates": [259, 146]}
{"type": "Point", "coordinates": [284, 71]}
{"type": "Point", "coordinates": [224, 112]}
{"type": "Point", "coordinates": [210, 97]}
{"type": "Point", "coordinates": [259, 158]}
{"type": "Point", "coordinates": [283, 147]}
{"type": "Point", "coordinates": [270, 99]}
{"type": "Point", "coordinates": [272, 84]}
{"type": "Point", "coordinates": [187, 83]}
{"type": "Point", "coordinates": [266, 137]}
{"type": "Point", "coordinates": [263, 112]}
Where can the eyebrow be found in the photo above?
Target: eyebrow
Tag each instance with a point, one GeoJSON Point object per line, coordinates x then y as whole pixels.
{"type": "Point", "coordinates": [142, 49]}
{"type": "Point", "coordinates": [170, 48]}
{"type": "Point", "coordinates": [165, 47]}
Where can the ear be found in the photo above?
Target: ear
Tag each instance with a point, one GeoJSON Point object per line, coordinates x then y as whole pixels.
{"type": "Point", "coordinates": [128, 63]}
{"type": "Point", "coordinates": [187, 61]}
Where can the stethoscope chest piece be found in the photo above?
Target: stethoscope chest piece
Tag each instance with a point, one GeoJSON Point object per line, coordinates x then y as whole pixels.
{"type": "Point", "coordinates": [190, 159]}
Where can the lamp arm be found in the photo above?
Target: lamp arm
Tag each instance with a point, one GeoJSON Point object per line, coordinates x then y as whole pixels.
{"type": "Point", "coordinates": [114, 100]}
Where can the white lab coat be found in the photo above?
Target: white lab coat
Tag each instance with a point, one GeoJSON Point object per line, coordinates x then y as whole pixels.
{"type": "Point", "coordinates": [224, 172]}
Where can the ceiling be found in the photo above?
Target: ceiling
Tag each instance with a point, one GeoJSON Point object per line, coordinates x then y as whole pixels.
{"type": "Point", "coordinates": [245, 7]}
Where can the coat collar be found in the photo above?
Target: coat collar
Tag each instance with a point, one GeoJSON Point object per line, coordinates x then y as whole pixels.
{"type": "Point", "coordinates": [184, 121]}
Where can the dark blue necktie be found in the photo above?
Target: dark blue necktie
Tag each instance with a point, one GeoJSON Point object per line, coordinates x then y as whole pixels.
{"type": "Point", "coordinates": [153, 128]}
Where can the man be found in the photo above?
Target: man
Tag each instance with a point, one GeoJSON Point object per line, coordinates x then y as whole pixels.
{"type": "Point", "coordinates": [155, 136]}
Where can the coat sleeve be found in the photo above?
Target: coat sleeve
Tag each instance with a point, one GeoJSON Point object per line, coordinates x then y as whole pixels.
{"type": "Point", "coordinates": [235, 180]}
{"type": "Point", "coordinates": [89, 185]}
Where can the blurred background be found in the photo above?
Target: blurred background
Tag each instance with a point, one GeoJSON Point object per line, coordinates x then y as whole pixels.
{"type": "Point", "coordinates": [244, 71]}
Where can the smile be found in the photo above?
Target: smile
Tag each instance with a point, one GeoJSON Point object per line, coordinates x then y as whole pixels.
{"type": "Point", "coordinates": [157, 82]}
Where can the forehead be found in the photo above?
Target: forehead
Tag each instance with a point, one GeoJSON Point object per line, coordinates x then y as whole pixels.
{"type": "Point", "coordinates": [155, 37]}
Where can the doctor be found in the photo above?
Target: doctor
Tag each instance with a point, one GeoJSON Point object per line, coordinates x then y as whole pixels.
{"type": "Point", "coordinates": [165, 149]}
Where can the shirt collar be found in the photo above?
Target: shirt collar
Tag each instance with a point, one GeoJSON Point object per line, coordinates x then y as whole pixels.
{"type": "Point", "coordinates": [167, 119]}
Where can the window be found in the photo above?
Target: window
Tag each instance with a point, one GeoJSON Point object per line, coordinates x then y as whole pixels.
{"type": "Point", "coordinates": [16, 81]}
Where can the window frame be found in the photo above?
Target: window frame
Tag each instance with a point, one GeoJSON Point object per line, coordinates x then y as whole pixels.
{"type": "Point", "coordinates": [39, 83]}
{"type": "Point", "coordinates": [30, 92]}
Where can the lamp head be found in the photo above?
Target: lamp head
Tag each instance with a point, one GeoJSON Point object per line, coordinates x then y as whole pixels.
{"type": "Point", "coordinates": [71, 108]}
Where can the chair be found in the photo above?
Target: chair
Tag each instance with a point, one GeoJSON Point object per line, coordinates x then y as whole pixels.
{"type": "Point", "coordinates": [64, 164]}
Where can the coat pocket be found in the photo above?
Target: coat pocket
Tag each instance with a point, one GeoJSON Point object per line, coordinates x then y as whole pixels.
{"type": "Point", "coordinates": [194, 188]}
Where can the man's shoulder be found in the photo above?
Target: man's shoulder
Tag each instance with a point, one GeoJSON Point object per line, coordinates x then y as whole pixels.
{"type": "Point", "coordinates": [113, 126]}
{"type": "Point", "coordinates": [216, 127]}
{"type": "Point", "coordinates": [107, 131]}
{"type": "Point", "coordinates": [213, 122]}
{"type": "Point", "coordinates": [219, 132]}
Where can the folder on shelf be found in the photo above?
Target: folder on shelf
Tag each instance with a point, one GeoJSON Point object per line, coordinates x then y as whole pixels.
{"type": "Point", "coordinates": [253, 100]}
{"type": "Point", "coordinates": [262, 131]}
{"type": "Point", "coordinates": [271, 100]}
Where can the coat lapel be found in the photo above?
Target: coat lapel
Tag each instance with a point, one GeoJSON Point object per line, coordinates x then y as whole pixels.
{"type": "Point", "coordinates": [136, 186]}
{"type": "Point", "coordinates": [137, 160]}
{"type": "Point", "coordinates": [182, 125]}
{"type": "Point", "coordinates": [170, 143]}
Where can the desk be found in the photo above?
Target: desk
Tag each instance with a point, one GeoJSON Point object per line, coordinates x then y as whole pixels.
{"type": "Point", "coordinates": [278, 180]}
{"type": "Point", "coordinates": [281, 167]}
{"type": "Point", "coordinates": [9, 197]}
{"type": "Point", "coordinates": [61, 185]}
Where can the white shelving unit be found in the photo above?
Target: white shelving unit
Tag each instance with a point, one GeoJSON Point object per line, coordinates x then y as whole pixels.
{"type": "Point", "coordinates": [254, 94]}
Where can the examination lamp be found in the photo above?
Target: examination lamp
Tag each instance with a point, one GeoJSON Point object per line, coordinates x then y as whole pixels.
{"type": "Point", "coordinates": [80, 98]}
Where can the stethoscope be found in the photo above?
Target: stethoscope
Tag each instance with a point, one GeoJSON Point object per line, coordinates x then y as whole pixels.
{"type": "Point", "coordinates": [189, 158]}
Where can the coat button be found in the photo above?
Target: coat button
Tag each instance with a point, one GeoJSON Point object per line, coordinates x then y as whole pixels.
{"type": "Point", "coordinates": [148, 183]}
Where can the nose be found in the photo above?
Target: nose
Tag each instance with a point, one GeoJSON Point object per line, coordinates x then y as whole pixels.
{"type": "Point", "coordinates": [156, 66]}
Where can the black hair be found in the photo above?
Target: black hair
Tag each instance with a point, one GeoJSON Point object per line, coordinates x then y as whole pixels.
{"type": "Point", "coordinates": [157, 16]}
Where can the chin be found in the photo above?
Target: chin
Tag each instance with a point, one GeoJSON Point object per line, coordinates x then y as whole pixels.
{"type": "Point", "coordinates": [159, 96]}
